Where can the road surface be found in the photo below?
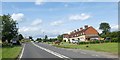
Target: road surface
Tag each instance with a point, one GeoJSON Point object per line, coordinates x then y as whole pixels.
{"type": "Point", "coordinates": [39, 51]}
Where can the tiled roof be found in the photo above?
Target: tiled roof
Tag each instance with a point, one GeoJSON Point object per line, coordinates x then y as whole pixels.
{"type": "Point", "coordinates": [78, 32]}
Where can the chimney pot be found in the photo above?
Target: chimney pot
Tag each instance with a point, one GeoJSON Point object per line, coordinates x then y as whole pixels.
{"type": "Point", "coordinates": [86, 26]}
{"type": "Point", "coordinates": [74, 30]}
{"type": "Point", "coordinates": [81, 29]}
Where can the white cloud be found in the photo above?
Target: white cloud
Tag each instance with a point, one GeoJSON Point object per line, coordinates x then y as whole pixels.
{"type": "Point", "coordinates": [36, 22]}
{"type": "Point", "coordinates": [17, 16]}
{"type": "Point", "coordinates": [100, 31]}
{"type": "Point", "coordinates": [114, 27]}
{"type": "Point", "coordinates": [39, 2]}
{"type": "Point", "coordinates": [56, 23]}
{"type": "Point", "coordinates": [82, 16]}
{"type": "Point", "coordinates": [28, 29]}
{"type": "Point", "coordinates": [103, 22]}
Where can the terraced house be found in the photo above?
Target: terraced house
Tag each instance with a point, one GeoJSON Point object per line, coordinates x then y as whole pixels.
{"type": "Point", "coordinates": [86, 34]}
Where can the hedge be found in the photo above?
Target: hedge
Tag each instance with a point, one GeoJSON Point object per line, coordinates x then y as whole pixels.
{"type": "Point", "coordinates": [100, 41]}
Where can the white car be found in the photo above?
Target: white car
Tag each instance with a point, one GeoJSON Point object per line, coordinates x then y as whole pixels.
{"type": "Point", "coordinates": [75, 41]}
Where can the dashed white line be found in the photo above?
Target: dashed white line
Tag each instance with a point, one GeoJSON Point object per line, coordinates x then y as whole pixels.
{"type": "Point", "coordinates": [22, 52]}
{"type": "Point", "coordinates": [95, 55]}
{"type": "Point", "coordinates": [83, 52]}
{"type": "Point", "coordinates": [52, 52]}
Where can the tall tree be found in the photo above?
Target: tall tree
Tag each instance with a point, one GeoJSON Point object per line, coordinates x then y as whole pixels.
{"type": "Point", "coordinates": [105, 27]}
{"type": "Point", "coordinates": [9, 30]}
{"type": "Point", "coordinates": [39, 39]}
{"type": "Point", "coordinates": [46, 38]}
{"type": "Point", "coordinates": [21, 37]}
{"type": "Point", "coordinates": [60, 38]}
{"type": "Point", "coordinates": [31, 38]}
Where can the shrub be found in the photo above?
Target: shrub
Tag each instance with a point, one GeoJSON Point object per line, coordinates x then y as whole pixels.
{"type": "Point", "coordinates": [106, 41]}
{"type": "Point", "coordinates": [97, 41]}
{"type": "Point", "coordinates": [82, 42]}
{"type": "Point", "coordinates": [102, 41]}
{"type": "Point", "coordinates": [114, 40]}
{"type": "Point", "coordinates": [87, 42]}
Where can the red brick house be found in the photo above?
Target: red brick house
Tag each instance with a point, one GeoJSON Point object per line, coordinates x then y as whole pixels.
{"type": "Point", "coordinates": [88, 33]}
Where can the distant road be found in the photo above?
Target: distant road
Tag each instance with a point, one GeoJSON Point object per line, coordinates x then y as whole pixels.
{"type": "Point", "coordinates": [44, 51]}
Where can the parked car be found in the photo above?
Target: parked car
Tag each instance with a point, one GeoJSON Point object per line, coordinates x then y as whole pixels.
{"type": "Point", "coordinates": [108, 38]}
{"type": "Point", "coordinates": [75, 41]}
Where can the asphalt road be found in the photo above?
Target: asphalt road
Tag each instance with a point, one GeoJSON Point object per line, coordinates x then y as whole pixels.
{"type": "Point", "coordinates": [39, 51]}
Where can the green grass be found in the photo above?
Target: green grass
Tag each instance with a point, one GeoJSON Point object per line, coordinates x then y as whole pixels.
{"type": "Point", "coordinates": [11, 52]}
{"type": "Point", "coordinates": [0, 49]}
{"type": "Point", "coordinates": [0, 53]}
{"type": "Point", "coordinates": [103, 47]}
{"type": "Point", "coordinates": [0, 41]}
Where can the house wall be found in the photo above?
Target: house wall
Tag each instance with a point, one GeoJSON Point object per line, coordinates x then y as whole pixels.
{"type": "Point", "coordinates": [66, 39]}
{"type": "Point", "coordinates": [82, 38]}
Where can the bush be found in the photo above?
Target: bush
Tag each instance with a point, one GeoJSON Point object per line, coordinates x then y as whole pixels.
{"type": "Point", "coordinates": [102, 41]}
{"type": "Point", "coordinates": [92, 42]}
{"type": "Point", "coordinates": [97, 41]}
{"type": "Point", "coordinates": [82, 42]}
{"type": "Point", "coordinates": [87, 42]}
{"type": "Point", "coordinates": [114, 40]}
{"type": "Point", "coordinates": [106, 41]}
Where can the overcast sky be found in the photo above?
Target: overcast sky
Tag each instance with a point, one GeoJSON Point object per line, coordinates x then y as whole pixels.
{"type": "Point", "coordinates": [53, 18]}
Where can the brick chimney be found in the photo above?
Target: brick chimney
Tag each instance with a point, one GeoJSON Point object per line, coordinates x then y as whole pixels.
{"type": "Point", "coordinates": [86, 26]}
{"type": "Point", "coordinates": [77, 29]}
{"type": "Point", "coordinates": [74, 30]}
{"type": "Point", "coordinates": [81, 29]}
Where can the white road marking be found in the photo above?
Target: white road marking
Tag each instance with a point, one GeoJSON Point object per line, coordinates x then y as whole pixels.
{"type": "Point", "coordinates": [52, 52]}
{"type": "Point", "coordinates": [95, 55]}
{"type": "Point", "coordinates": [22, 52]}
{"type": "Point", "coordinates": [83, 52]}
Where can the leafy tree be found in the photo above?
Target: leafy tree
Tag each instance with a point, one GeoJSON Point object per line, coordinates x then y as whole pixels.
{"type": "Point", "coordinates": [60, 38]}
{"type": "Point", "coordinates": [53, 39]}
{"type": "Point", "coordinates": [39, 39]}
{"type": "Point", "coordinates": [105, 27]}
{"type": "Point", "coordinates": [113, 35]}
{"type": "Point", "coordinates": [46, 38]}
{"type": "Point", "coordinates": [9, 30]}
{"type": "Point", "coordinates": [21, 37]}
{"type": "Point", "coordinates": [31, 38]}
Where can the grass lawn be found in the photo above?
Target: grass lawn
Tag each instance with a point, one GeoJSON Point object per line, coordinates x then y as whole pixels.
{"type": "Point", "coordinates": [11, 52]}
{"type": "Point", "coordinates": [0, 41]}
{"type": "Point", "coordinates": [103, 47]}
{"type": "Point", "coordinates": [0, 49]}
{"type": "Point", "coordinates": [0, 53]}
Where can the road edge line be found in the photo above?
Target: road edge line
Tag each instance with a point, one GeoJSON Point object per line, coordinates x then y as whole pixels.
{"type": "Point", "coordinates": [52, 52]}
{"type": "Point", "coordinates": [22, 52]}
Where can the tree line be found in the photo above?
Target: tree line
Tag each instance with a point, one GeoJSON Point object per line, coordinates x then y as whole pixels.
{"type": "Point", "coordinates": [45, 39]}
{"type": "Point", "coordinates": [105, 27]}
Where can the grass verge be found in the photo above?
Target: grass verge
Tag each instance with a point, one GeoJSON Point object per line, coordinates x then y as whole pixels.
{"type": "Point", "coordinates": [0, 53]}
{"type": "Point", "coordinates": [10, 53]}
{"type": "Point", "coordinates": [103, 47]}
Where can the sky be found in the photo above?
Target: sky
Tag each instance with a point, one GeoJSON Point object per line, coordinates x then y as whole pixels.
{"type": "Point", "coordinates": [37, 19]}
